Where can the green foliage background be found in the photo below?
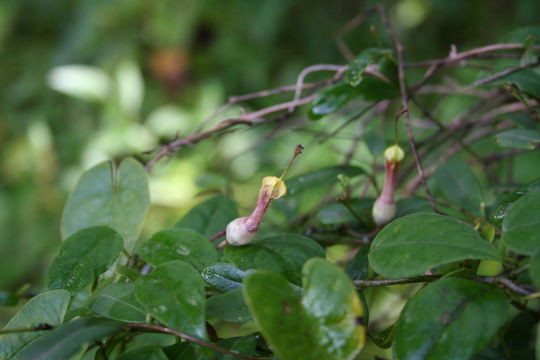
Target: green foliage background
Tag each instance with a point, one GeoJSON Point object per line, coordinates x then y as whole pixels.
{"type": "Point", "coordinates": [167, 65]}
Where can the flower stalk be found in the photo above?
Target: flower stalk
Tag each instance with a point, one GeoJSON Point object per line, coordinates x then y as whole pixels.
{"type": "Point", "coordinates": [384, 208]}
{"type": "Point", "coordinates": [243, 230]}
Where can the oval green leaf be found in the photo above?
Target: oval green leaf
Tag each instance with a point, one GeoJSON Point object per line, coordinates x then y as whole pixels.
{"type": "Point", "coordinates": [416, 243]}
{"type": "Point", "coordinates": [210, 217]}
{"type": "Point", "coordinates": [504, 206]}
{"type": "Point", "coordinates": [229, 307]}
{"type": "Point", "coordinates": [224, 277]}
{"type": "Point", "coordinates": [284, 254]}
{"type": "Point", "coordinates": [179, 244]}
{"type": "Point", "coordinates": [355, 73]}
{"type": "Point", "coordinates": [174, 294]}
{"type": "Point", "coordinates": [66, 340]}
{"type": "Point", "coordinates": [49, 308]}
{"type": "Point", "coordinates": [460, 186]}
{"type": "Point", "coordinates": [331, 100]}
{"type": "Point", "coordinates": [118, 198]}
{"type": "Point", "coordinates": [451, 318]}
{"type": "Point", "coordinates": [84, 256]}
{"type": "Point", "coordinates": [518, 138]}
{"type": "Point", "coordinates": [521, 225]}
{"type": "Point", "coordinates": [325, 324]}
{"type": "Point", "coordinates": [117, 301]}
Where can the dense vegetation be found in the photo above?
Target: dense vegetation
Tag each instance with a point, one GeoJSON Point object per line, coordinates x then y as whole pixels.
{"type": "Point", "coordinates": [404, 226]}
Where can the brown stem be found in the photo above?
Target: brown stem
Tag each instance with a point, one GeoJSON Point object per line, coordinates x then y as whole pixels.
{"type": "Point", "coordinates": [253, 118]}
{"type": "Point", "coordinates": [209, 345]}
{"type": "Point", "coordinates": [405, 102]}
{"type": "Point", "coordinates": [217, 235]}
{"type": "Point", "coordinates": [500, 280]}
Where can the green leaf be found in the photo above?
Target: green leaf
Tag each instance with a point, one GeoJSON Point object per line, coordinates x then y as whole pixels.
{"type": "Point", "coordinates": [411, 205]}
{"type": "Point", "coordinates": [373, 88]}
{"type": "Point", "coordinates": [358, 267]}
{"type": "Point", "coordinates": [174, 294]}
{"type": "Point", "coordinates": [506, 204]}
{"type": "Point", "coordinates": [210, 217]}
{"type": "Point", "coordinates": [384, 338]}
{"type": "Point", "coordinates": [336, 213]}
{"type": "Point", "coordinates": [451, 318]}
{"type": "Point", "coordinates": [355, 73]}
{"type": "Point", "coordinates": [521, 34]}
{"type": "Point", "coordinates": [460, 186]}
{"type": "Point", "coordinates": [66, 340]}
{"type": "Point", "coordinates": [243, 345]}
{"type": "Point", "coordinates": [521, 225]}
{"type": "Point", "coordinates": [518, 138]}
{"type": "Point", "coordinates": [47, 308]}
{"type": "Point", "coordinates": [117, 301]}
{"type": "Point", "coordinates": [415, 243]}
{"type": "Point", "coordinates": [229, 307]}
{"type": "Point", "coordinates": [527, 81]}
{"type": "Point", "coordinates": [179, 244]}
{"type": "Point", "coordinates": [324, 324]}
{"type": "Point", "coordinates": [148, 352]}
{"type": "Point", "coordinates": [284, 254]}
{"type": "Point", "coordinates": [519, 336]}
{"type": "Point", "coordinates": [83, 256]}
{"type": "Point", "coordinates": [224, 276]}
{"type": "Point", "coordinates": [118, 198]}
{"type": "Point", "coordinates": [331, 100]}
{"type": "Point", "coordinates": [322, 177]}
{"type": "Point", "coordinates": [180, 351]}
{"type": "Point", "coordinates": [534, 270]}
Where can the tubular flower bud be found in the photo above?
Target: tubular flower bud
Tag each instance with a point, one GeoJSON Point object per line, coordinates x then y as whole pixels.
{"type": "Point", "coordinates": [384, 207]}
{"type": "Point", "coordinates": [242, 231]}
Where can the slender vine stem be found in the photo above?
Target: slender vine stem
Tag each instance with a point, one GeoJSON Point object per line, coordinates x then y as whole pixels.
{"type": "Point", "coordinates": [209, 345]}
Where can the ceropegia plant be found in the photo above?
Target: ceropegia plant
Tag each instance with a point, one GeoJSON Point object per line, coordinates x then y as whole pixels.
{"type": "Point", "coordinates": [439, 260]}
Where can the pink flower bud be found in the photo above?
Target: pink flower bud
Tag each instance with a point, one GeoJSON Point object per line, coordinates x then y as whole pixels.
{"type": "Point", "coordinates": [384, 208]}
{"type": "Point", "coordinates": [242, 231]}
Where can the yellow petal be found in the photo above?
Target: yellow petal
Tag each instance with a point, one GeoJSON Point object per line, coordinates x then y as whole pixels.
{"type": "Point", "coordinates": [274, 186]}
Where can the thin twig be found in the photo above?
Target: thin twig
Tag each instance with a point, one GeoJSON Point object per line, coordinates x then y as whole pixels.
{"type": "Point", "coordinates": [386, 282]}
{"type": "Point", "coordinates": [39, 327]}
{"type": "Point", "coordinates": [405, 102]}
{"type": "Point", "coordinates": [209, 345]}
{"type": "Point", "coordinates": [507, 283]}
{"type": "Point", "coordinates": [280, 90]}
{"type": "Point", "coordinates": [349, 26]}
{"type": "Point", "coordinates": [411, 187]}
{"type": "Point", "coordinates": [500, 280]}
{"type": "Point", "coordinates": [253, 118]}
{"type": "Point", "coordinates": [217, 236]}
{"type": "Point", "coordinates": [480, 52]}
{"type": "Point", "coordinates": [338, 69]}
{"type": "Point", "coordinates": [503, 73]}
{"type": "Point", "coordinates": [348, 122]}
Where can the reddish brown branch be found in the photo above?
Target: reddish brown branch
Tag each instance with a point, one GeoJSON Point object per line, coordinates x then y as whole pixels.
{"type": "Point", "coordinates": [193, 339]}
{"type": "Point", "coordinates": [253, 118]}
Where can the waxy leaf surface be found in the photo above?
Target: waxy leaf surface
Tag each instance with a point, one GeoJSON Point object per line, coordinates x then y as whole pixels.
{"type": "Point", "coordinates": [325, 323]}
{"type": "Point", "coordinates": [109, 196]}
{"type": "Point", "coordinates": [416, 243]}
{"type": "Point", "coordinates": [451, 318]}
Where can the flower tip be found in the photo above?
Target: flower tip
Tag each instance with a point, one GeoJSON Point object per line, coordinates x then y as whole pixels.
{"type": "Point", "coordinates": [394, 153]}
{"type": "Point", "coordinates": [274, 186]}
